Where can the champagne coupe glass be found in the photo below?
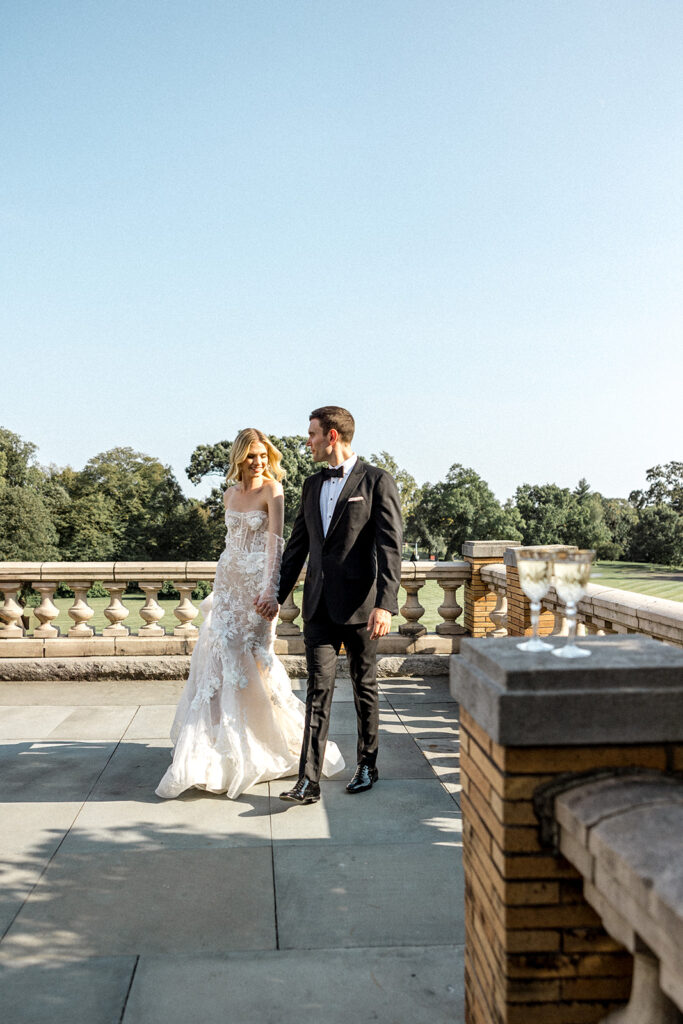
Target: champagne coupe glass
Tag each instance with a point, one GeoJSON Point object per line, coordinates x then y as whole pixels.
{"type": "Point", "coordinates": [572, 570]}
{"type": "Point", "coordinates": [535, 568]}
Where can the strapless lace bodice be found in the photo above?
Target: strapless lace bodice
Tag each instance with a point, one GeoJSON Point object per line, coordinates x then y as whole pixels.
{"type": "Point", "coordinates": [246, 531]}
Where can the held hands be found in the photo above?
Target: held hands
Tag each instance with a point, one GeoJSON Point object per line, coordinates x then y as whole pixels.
{"type": "Point", "coordinates": [379, 623]}
{"type": "Point", "coordinates": [266, 607]}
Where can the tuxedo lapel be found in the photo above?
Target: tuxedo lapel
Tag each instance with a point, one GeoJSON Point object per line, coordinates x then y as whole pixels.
{"type": "Point", "coordinates": [354, 478]}
{"type": "Point", "coordinates": [314, 499]}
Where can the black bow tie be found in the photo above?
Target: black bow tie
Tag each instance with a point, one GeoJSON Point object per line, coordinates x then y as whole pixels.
{"type": "Point", "coordinates": [329, 473]}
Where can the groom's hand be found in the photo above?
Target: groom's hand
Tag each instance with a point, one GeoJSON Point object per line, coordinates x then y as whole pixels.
{"type": "Point", "coordinates": [379, 623]}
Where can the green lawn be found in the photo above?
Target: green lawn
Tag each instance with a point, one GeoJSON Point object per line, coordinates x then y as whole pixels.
{"type": "Point", "coordinates": [653, 580]}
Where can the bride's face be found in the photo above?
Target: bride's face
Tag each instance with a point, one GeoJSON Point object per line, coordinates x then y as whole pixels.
{"type": "Point", "coordinates": [255, 463]}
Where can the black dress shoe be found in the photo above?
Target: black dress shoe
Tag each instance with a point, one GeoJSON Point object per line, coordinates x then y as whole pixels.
{"type": "Point", "coordinates": [363, 778]}
{"type": "Point", "coordinates": [305, 792]}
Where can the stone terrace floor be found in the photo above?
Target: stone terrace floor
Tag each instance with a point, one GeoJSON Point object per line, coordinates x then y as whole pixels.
{"type": "Point", "coordinates": [117, 906]}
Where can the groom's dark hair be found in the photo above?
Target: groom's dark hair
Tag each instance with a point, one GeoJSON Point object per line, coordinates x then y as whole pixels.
{"type": "Point", "coordinates": [333, 417]}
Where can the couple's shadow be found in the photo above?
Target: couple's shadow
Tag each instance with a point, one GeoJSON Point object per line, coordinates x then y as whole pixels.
{"type": "Point", "coordinates": [252, 805]}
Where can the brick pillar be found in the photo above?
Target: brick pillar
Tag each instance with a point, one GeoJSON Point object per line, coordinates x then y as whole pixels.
{"type": "Point", "coordinates": [479, 601]}
{"type": "Point", "coordinates": [536, 952]}
{"type": "Point", "coordinates": [519, 612]}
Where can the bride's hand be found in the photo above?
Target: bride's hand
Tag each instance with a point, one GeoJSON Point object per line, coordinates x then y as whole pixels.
{"type": "Point", "coordinates": [267, 609]}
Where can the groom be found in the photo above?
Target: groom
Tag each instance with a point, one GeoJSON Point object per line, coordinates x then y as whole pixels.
{"type": "Point", "coordinates": [349, 525]}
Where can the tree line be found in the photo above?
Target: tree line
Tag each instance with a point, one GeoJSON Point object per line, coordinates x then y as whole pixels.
{"type": "Point", "coordinates": [127, 506]}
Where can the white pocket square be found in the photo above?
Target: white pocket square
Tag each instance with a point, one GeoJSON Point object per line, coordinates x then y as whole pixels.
{"type": "Point", "coordinates": [359, 498]}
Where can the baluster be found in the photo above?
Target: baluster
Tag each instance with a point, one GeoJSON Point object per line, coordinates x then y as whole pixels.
{"type": "Point", "coordinates": [289, 611]}
{"type": "Point", "coordinates": [46, 611]}
{"type": "Point", "coordinates": [560, 624]}
{"type": "Point", "coordinates": [185, 611]}
{"type": "Point", "coordinates": [116, 611]}
{"type": "Point", "coordinates": [412, 610]}
{"type": "Point", "coordinates": [499, 615]}
{"type": "Point", "coordinates": [152, 611]}
{"type": "Point", "coordinates": [11, 612]}
{"type": "Point", "coordinates": [581, 629]}
{"type": "Point", "coordinates": [80, 611]}
{"type": "Point", "coordinates": [449, 610]}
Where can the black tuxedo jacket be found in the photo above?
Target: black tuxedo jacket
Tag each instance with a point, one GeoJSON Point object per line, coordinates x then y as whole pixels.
{"type": "Point", "coordinates": [357, 566]}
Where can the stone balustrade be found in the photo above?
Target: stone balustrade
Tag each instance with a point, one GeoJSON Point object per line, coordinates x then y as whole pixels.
{"type": "Point", "coordinates": [152, 638]}
{"type": "Point", "coordinates": [494, 606]}
{"type": "Point", "coordinates": [603, 611]}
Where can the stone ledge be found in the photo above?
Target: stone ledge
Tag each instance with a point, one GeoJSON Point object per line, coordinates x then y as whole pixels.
{"type": "Point", "coordinates": [627, 834]}
{"type": "Point", "coordinates": [629, 691]}
{"type": "Point", "coordinates": [177, 666]}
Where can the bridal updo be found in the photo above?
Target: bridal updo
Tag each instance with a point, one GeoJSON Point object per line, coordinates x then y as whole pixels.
{"type": "Point", "coordinates": [240, 450]}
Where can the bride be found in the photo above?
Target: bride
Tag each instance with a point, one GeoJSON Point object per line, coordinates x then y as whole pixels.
{"type": "Point", "coordinates": [238, 722]}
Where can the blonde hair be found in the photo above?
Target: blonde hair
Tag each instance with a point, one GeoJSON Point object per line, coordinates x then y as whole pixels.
{"type": "Point", "coordinates": [240, 450]}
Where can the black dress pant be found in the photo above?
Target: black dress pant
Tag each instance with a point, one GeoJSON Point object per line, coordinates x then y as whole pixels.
{"type": "Point", "coordinates": [323, 639]}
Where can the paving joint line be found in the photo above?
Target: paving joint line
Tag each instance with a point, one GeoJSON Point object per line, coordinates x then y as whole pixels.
{"type": "Point", "coordinates": [272, 865]}
{"type": "Point", "coordinates": [130, 985]}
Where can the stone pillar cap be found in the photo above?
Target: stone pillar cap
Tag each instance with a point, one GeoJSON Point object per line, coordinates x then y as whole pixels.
{"type": "Point", "coordinates": [487, 548]}
{"type": "Point", "coordinates": [629, 691]}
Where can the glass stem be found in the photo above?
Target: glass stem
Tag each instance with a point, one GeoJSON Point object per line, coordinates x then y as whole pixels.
{"type": "Point", "coordinates": [535, 607]}
{"type": "Point", "coordinates": [571, 624]}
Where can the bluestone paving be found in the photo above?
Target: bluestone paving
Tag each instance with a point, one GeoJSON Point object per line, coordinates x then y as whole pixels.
{"type": "Point", "coordinates": [18, 723]}
{"type": "Point", "coordinates": [193, 820]}
{"type": "Point", "coordinates": [401, 756]}
{"type": "Point", "coordinates": [151, 722]}
{"type": "Point", "coordinates": [56, 771]}
{"type": "Point", "coordinates": [405, 811]}
{"type": "Point", "coordinates": [420, 718]}
{"type": "Point", "coordinates": [119, 906]}
{"type": "Point", "coordinates": [149, 901]}
{"type": "Point", "coordinates": [90, 992]}
{"type": "Point", "coordinates": [403, 894]}
{"type": "Point", "coordinates": [103, 723]}
{"type": "Point", "coordinates": [386, 985]}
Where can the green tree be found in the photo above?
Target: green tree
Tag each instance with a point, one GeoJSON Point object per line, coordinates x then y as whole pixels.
{"type": "Point", "coordinates": [27, 530]}
{"type": "Point", "coordinates": [587, 523]}
{"type": "Point", "coordinates": [462, 508]}
{"type": "Point", "coordinates": [666, 487]}
{"type": "Point", "coordinates": [620, 518]}
{"type": "Point", "coordinates": [658, 536]}
{"type": "Point", "coordinates": [546, 512]}
{"type": "Point", "coordinates": [122, 506]}
{"type": "Point", "coordinates": [408, 491]}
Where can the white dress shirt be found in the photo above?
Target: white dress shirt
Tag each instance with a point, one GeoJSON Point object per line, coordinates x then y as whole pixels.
{"type": "Point", "coordinates": [330, 491]}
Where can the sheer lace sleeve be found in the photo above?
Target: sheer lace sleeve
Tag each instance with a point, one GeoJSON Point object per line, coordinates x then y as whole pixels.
{"type": "Point", "coordinates": [271, 569]}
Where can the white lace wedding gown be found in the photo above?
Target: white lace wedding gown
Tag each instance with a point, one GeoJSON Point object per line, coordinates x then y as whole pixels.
{"type": "Point", "coordinates": [238, 722]}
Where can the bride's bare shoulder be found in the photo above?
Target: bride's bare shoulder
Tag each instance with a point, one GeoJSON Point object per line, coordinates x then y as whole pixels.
{"type": "Point", "coordinates": [228, 495]}
{"type": "Point", "coordinates": [272, 488]}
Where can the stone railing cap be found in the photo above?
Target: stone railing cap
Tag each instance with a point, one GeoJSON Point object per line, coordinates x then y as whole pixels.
{"type": "Point", "coordinates": [629, 691]}
{"type": "Point", "coordinates": [631, 827]}
{"type": "Point", "coordinates": [487, 548]}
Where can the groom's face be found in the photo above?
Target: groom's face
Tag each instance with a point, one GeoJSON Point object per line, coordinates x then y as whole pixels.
{"type": "Point", "coordinates": [320, 444]}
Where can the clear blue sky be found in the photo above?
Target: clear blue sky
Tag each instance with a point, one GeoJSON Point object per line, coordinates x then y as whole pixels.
{"type": "Point", "coordinates": [463, 220]}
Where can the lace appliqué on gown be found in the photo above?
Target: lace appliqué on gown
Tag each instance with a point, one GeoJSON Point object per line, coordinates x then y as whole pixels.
{"type": "Point", "coordinates": [237, 721]}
